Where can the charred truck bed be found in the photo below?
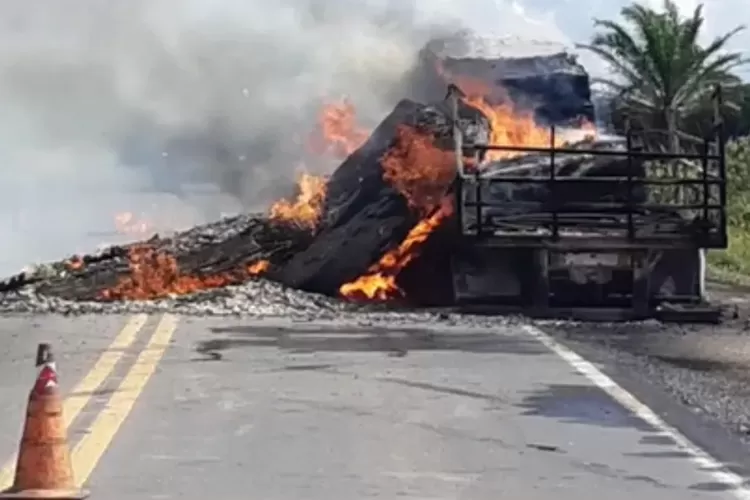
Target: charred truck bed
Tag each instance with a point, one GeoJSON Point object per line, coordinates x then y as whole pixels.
{"type": "Point", "coordinates": [602, 226]}
{"type": "Point", "coordinates": [598, 223]}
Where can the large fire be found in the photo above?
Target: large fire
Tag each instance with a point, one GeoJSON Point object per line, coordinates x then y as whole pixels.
{"type": "Point", "coordinates": [414, 166]}
{"type": "Point", "coordinates": [422, 173]}
{"type": "Point", "coordinates": [509, 127]}
{"type": "Point", "coordinates": [154, 274]}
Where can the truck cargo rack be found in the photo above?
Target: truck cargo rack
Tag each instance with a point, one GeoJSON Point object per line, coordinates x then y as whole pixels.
{"type": "Point", "coordinates": [670, 206]}
{"type": "Point", "coordinates": [699, 199]}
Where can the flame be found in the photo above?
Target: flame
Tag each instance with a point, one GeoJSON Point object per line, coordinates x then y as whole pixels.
{"type": "Point", "coordinates": [511, 127]}
{"type": "Point", "coordinates": [128, 223]}
{"type": "Point", "coordinates": [380, 281]}
{"type": "Point", "coordinates": [338, 132]}
{"type": "Point", "coordinates": [421, 172]}
{"type": "Point", "coordinates": [508, 126]}
{"type": "Point", "coordinates": [304, 211]}
{"type": "Point", "coordinates": [257, 268]}
{"type": "Point", "coordinates": [418, 170]}
{"type": "Point", "coordinates": [155, 274]}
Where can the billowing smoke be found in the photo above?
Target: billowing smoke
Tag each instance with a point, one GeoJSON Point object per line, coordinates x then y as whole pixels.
{"type": "Point", "coordinates": [181, 110]}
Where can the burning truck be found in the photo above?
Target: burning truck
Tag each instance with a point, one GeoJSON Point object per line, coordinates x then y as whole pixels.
{"type": "Point", "coordinates": [487, 186]}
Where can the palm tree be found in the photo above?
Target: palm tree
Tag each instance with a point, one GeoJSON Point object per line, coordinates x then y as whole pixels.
{"type": "Point", "coordinates": [661, 73]}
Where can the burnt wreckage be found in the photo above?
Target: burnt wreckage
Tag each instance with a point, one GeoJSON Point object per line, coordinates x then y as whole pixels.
{"type": "Point", "coordinates": [603, 222]}
{"type": "Point", "coordinates": [612, 227]}
{"type": "Point", "coordinates": [609, 227]}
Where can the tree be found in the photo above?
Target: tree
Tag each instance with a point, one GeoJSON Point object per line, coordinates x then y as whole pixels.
{"type": "Point", "coordinates": [661, 73]}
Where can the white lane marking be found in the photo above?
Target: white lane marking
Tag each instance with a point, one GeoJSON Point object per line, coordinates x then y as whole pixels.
{"type": "Point", "coordinates": [699, 457]}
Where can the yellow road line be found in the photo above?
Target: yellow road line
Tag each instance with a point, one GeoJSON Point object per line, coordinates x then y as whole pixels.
{"type": "Point", "coordinates": [82, 392]}
{"type": "Point", "coordinates": [92, 446]}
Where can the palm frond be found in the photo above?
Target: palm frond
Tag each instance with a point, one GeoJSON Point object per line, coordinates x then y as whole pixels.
{"type": "Point", "coordinates": [659, 67]}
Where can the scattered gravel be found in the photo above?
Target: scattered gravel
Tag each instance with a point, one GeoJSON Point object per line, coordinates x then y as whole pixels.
{"type": "Point", "coordinates": [256, 298]}
{"type": "Point", "coordinates": [208, 234]}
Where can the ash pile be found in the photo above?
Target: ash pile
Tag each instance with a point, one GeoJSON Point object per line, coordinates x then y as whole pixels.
{"type": "Point", "coordinates": [377, 233]}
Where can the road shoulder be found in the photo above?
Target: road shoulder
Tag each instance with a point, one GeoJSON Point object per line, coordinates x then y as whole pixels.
{"type": "Point", "coordinates": [624, 354]}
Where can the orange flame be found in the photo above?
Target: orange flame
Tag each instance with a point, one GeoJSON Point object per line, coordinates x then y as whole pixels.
{"type": "Point", "coordinates": [418, 170]}
{"type": "Point", "coordinates": [304, 211]}
{"type": "Point", "coordinates": [508, 126]}
{"type": "Point", "coordinates": [259, 267]}
{"type": "Point", "coordinates": [338, 132]}
{"type": "Point", "coordinates": [155, 274]}
{"type": "Point", "coordinates": [421, 172]}
{"type": "Point", "coordinates": [380, 281]}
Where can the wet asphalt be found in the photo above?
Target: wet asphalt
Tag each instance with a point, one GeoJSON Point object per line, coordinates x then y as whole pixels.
{"type": "Point", "coordinates": [275, 409]}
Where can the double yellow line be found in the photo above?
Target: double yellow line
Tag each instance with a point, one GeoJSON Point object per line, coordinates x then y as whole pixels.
{"type": "Point", "coordinates": [92, 446]}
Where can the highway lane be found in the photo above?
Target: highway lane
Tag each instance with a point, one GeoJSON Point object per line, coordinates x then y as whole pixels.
{"type": "Point", "coordinates": [92, 356]}
{"type": "Point", "coordinates": [274, 410]}
{"type": "Point", "coordinates": [167, 407]}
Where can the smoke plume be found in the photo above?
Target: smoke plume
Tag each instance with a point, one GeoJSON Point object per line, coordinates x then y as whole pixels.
{"type": "Point", "coordinates": [181, 110]}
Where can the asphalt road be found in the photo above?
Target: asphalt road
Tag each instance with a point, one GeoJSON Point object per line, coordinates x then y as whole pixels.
{"type": "Point", "coordinates": [239, 409]}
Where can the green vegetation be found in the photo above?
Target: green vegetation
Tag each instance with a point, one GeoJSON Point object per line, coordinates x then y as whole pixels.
{"type": "Point", "coordinates": [663, 79]}
{"type": "Point", "coordinates": [734, 261]}
{"type": "Point", "coordinates": [661, 74]}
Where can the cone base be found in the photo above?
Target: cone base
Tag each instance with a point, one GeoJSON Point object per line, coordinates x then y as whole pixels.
{"type": "Point", "coordinates": [62, 494]}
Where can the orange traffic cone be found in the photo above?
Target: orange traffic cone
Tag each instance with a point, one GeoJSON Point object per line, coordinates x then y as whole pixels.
{"type": "Point", "coordinates": [44, 468]}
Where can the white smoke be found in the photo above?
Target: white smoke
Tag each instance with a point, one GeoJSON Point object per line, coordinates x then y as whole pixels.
{"type": "Point", "coordinates": [184, 109]}
{"type": "Point", "coordinates": [177, 110]}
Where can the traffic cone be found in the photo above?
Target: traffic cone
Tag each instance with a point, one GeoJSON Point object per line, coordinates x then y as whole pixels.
{"type": "Point", "coordinates": [44, 468]}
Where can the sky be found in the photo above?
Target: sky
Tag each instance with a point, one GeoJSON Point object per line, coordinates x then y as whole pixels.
{"type": "Point", "coordinates": [571, 21]}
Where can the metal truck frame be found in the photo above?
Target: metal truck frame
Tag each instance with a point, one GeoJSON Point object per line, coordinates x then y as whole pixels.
{"type": "Point", "coordinates": [624, 264]}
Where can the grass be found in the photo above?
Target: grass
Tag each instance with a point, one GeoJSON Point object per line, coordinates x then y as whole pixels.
{"type": "Point", "coordinates": [733, 264]}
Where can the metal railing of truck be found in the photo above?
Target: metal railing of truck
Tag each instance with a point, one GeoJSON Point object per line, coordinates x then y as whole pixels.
{"type": "Point", "coordinates": [696, 178]}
